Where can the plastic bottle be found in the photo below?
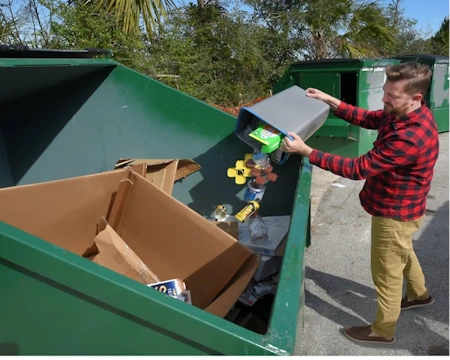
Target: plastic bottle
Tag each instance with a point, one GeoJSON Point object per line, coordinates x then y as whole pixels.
{"type": "Point", "coordinates": [261, 160]}
{"type": "Point", "coordinates": [247, 211]}
{"type": "Point", "coordinates": [257, 229]}
{"type": "Point", "coordinates": [220, 213]}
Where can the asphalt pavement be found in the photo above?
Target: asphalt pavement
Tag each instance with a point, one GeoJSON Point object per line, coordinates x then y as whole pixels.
{"type": "Point", "coordinates": [339, 291]}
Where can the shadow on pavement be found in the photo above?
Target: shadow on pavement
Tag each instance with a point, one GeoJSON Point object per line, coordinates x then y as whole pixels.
{"type": "Point", "coordinates": [415, 331]}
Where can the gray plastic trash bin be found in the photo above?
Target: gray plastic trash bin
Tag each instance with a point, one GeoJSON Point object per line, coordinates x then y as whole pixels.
{"type": "Point", "coordinates": [288, 111]}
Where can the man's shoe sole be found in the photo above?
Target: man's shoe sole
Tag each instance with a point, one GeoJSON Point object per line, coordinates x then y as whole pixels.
{"type": "Point", "coordinates": [418, 305]}
{"type": "Point", "coordinates": [370, 341]}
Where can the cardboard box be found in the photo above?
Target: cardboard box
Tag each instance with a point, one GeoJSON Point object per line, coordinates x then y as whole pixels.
{"type": "Point", "coordinates": [110, 251]}
{"type": "Point", "coordinates": [161, 172]}
{"type": "Point", "coordinates": [277, 229]}
{"type": "Point", "coordinates": [170, 238]}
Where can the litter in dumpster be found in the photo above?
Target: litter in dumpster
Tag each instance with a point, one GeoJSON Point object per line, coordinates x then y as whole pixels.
{"type": "Point", "coordinates": [240, 172]}
{"type": "Point", "coordinates": [257, 229]}
{"type": "Point", "coordinates": [247, 210]}
{"type": "Point", "coordinates": [254, 318]}
{"type": "Point", "coordinates": [142, 215]}
{"type": "Point", "coordinates": [255, 190]}
{"type": "Point", "coordinates": [220, 213]}
{"type": "Point", "coordinates": [268, 136]}
{"type": "Point", "coordinates": [268, 266]}
{"type": "Point", "coordinates": [174, 288]}
{"type": "Point", "coordinates": [256, 291]}
{"type": "Point", "coordinates": [277, 229]}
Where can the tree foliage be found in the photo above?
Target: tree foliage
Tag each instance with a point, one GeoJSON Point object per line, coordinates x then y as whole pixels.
{"type": "Point", "coordinates": [130, 13]}
{"type": "Point", "coordinates": [80, 26]}
{"type": "Point", "coordinates": [440, 41]}
{"type": "Point", "coordinates": [212, 60]}
{"type": "Point", "coordinates": [225, 52]}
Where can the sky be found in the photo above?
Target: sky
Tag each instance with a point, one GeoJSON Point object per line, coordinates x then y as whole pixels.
{"type": "Point", "coordinates": [428, 13]}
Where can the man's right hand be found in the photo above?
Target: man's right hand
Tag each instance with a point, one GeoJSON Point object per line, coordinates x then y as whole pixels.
{"type": "Point", "coordinates": [318, 94]}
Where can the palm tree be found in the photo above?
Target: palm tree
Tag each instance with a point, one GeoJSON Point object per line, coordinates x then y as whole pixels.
{"type": "Point", "coordinates": [7, 30]}
{"type": "Point", "coordinates": [345, 28]}
{"type": "Point", "coordinates": [367, 35]}
{"type": "Point", "coordinates": [131, 12]}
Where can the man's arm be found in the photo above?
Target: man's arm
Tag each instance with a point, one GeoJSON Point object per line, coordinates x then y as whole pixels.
{"type": "Point", "coordinates": [354, 115]}
{"type": "Point", "coordinates": [398, 151]}
{"type": "Point", "coordinates": [395, 153]}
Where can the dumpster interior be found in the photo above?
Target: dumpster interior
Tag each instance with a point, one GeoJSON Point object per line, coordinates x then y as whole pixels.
{"type": "Point", "coordinates": [349, 86]}
{"type": "Point", "coordinates": [68, 121]}
{"type": "Point", "coordinates": [37, 104]}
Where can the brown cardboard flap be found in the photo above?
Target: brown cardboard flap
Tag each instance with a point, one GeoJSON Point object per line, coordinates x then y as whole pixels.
{"type": "Point", "coordinates": [186, 167]}
{"type": "Point", "coordinates": [230, 227]}
{"type": "Point", "coordinates": [120, 202]}
{"type": "Point", "coordinates": [179, 243]}
{"type": "Point", "coordinates": [225, 301]}
{"type": "Point", "coordinates": [116, 255]}
{"type": "Point", "coordinates": [63, 212]}
{"type": "Point", "coordinates": [162, 172]}
{"type": "Point", "coordinates": [141, 169]}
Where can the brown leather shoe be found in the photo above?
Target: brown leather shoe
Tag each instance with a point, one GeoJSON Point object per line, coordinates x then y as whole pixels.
{"type": "Point", "coordinates": [405, 305]}
{"type": "Point", "coordinates": [361, 334]}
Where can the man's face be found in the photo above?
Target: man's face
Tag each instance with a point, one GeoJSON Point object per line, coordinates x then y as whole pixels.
{"type": "Point", "coordinates": [396, 101]}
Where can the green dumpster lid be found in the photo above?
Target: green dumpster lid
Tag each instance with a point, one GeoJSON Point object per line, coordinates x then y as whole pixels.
{"type": "Point", "coordinates": [424, 57]}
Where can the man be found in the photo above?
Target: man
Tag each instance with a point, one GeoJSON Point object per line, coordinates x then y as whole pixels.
{"type": "Point", "coordinates": [398, 173]}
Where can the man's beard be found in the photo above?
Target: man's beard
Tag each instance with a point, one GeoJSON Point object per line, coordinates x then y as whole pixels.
{"type": "Point", "coordinates": [397, 111]}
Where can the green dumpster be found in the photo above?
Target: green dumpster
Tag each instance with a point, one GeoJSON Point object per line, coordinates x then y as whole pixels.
{"type": "Point", "coordinates": [68, 114]}
{"type": "Point", "coordinates": [437, 95]}
{"type": "Point", "coordinates": [356, 81]}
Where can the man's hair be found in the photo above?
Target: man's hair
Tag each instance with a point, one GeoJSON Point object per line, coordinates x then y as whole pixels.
{"type": "Point", "coordinates": [417, 76]}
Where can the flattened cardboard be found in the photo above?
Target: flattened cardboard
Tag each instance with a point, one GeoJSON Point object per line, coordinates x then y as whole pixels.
{"type": "Point", "coordinates": [162, 172]}
{"type": "Point", "coordinates": [237, 285]}
{"type": "Point", "coordinates": [168, 236]}
{"type": "Point", "coordinates": [64, 212]}
{"type": "Point", "coordinates": [179, 243]}
{"type": "Point", "coordinates": [116, 255]}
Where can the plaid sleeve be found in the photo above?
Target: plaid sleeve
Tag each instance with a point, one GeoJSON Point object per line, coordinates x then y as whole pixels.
{"type": "Point", "coordinates": [394, 153]}
{"type": "Point", "coordinates": [359, 117]}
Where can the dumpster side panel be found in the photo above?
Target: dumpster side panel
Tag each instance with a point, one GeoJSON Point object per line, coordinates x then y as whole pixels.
{"type": "Point", "coordinates": [371, 82]}
{"type": "Point", "coordinates": [439, 100]}
{"type": "Point", "coordinates": [68, 313]}
{"type": "Point", "coordinates": [334, 145]}
{"type": "Point", "coordinates": [284, 329]}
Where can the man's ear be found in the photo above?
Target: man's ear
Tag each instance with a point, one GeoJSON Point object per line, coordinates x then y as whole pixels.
{"type": "Point", "coordinates": [417, 97]}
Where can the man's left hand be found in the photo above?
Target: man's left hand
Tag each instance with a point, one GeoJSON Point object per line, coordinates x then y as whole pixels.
{"type": "Point", "coordinates": [295, 146]}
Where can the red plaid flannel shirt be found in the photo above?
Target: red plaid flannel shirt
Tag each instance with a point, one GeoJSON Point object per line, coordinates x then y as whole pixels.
{"type": "Point", "coordinates": [398, 170]}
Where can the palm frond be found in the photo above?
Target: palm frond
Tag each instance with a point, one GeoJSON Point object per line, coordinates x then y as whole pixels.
{"type": "Point", "coordinates": [130, 12]}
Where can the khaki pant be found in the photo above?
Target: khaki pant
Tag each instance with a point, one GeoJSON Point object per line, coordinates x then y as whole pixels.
{"type": "Point", "coordinates": [392, 257]}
